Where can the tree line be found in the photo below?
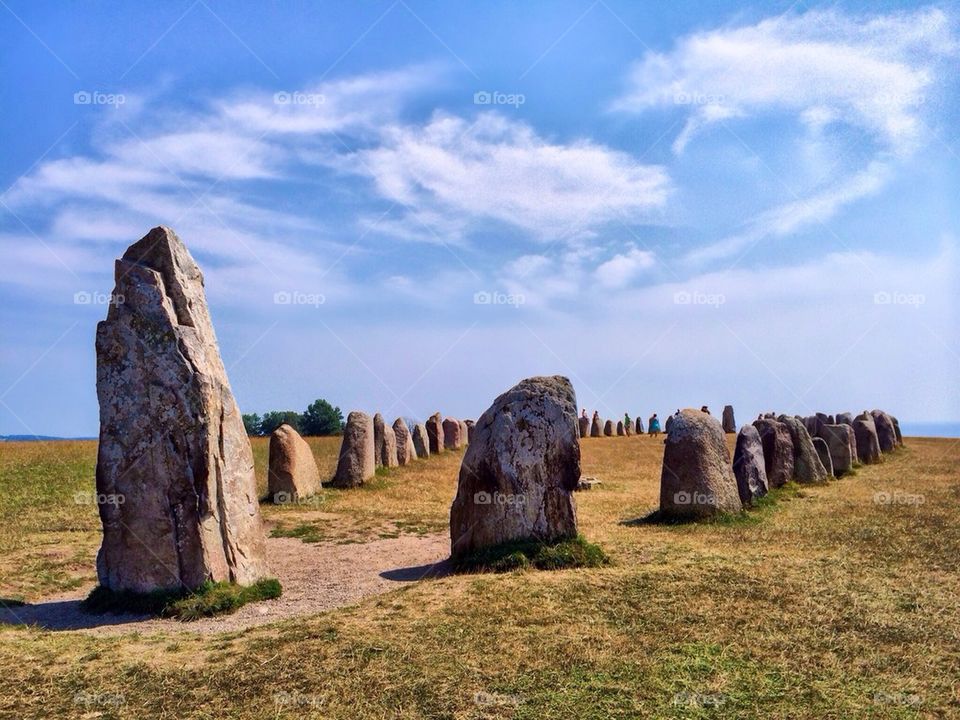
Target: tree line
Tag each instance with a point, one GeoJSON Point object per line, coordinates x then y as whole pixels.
{"type": "Point", "coordinates": [320, 418]}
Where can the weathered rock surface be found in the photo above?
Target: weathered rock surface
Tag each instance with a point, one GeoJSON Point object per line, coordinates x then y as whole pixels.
{"type": "Point", "coordinates": [868, 444]}
{"type": "Point", "coordinates": [421, 440]}
{"type": "Point", "coordinates": [406, 452]}
{"type": "Point", "coordinates": [388, 448]}
{"type": "Point", "coordinates": [584, 426]}
{"type": "Point", "coordinates": [886, 431]}
{"type": "Point", "coordinates": [451, 434]}
{"type": "Point", "coordinates": [777, 450]}
{"type": "Point", "coordinates": [696, 479]}
{"type": "Point", "coordinates": [841, 445]}
{"type": "Point", "coordinates": [292, 472]}
{"type": "Point", "coordinates": [639, 426]}
{"type": "Point", "coordinates": [620, 429]}
{"type": "Point", "coordinates": [172, 442]}
{"type": "Point", "coordinates": [518, 476]}
{"type": "Point", "coordinates": [595, 425]}
{"type": "Point", "coordinates": [464, 434]}
{"type": "Point", "coordinates": [608, 428]}
{"type": "Point", "coordinates": [435, 433]}
{"type": "Point", "coordinates": [807, 467]}
{"type": "Point", "coordinates": [748, 465]}
{"type": "Point", "coordinates": [729, 423]}
{"type": "Point", "coordinates": [845, 419]}
{"type": "Point", "coordinates": [823, 452]}
{"type": "Point", "coordinates": [357, 461]}
{"type": "Point", "coordinates": [896, 430]}
{"type": "Point", "coordinates": [471, 426]}
{"type": "Point", "coordinates": [378, 426]}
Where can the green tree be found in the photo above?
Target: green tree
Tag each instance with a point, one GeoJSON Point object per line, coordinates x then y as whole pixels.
{"type": "Point", "coordinates": [251, 423]}
{"type": "Point", "coordinates": [275, 418]}
{"type": "Point", "coordinates": [321, 418]}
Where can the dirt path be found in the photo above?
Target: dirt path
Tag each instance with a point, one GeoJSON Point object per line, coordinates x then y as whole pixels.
{"type": "Point", "coordinates": [315, 577]}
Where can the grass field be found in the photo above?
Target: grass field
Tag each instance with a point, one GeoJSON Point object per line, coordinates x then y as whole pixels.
{"type": "Point", "coordinates": [836, 601]}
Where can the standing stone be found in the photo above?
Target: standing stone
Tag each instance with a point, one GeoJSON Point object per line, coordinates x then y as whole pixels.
{"type": "Point", "coordinates": [807, 467]}
{"type": "Point", "coordinates": [886, 431]}
{"type": "Point", "coordinates": [823, 452]}
{"type": "Point", "coordinates": [421, 440]}
{"type": "Point", "coordinates": [639, 426]}
{"type": "Point", "coordinates": [406, 452]}
{"type": "Point", "coordinates": [608, 428]}
{"type": "Point", "coordinates": [696, 479]}
{"type": "Point", "coordinates": [518, 476]}
{"type": "Point", "coordinates": [172, 442]}
{"type": "Point", "coordinates": [451, 434]}
{"type": "Point", "coordinates": [841, 446]}
{"type": "Point", "coordinates": [435, 433]}
{"type": "Point", "coordinates": [748, 465]}
{"type": "Point", "coordinates": [464, 434]}
{"type": "Point", "coordinates": [845, 419]}
{"type": "Point", "coordinates": [388, 450]}
{"type": "Point", "coordinates": [595, 425]}
{"type": "Point", "coordinates": [357, 454]}
{"type": "Point", "coordinates": [777, 450]}
{"type": "Point", "coordinates": [584, 424]}
{"type": "Point", "coordinates": [292, 473]}
{"type": "Point", "coordinates": [896, 430]}
{"type": "Point", "coordinates": [621, 431]}
{"type": "Point", "coordinates": [471, 426]}
{"type": "Point", "coordinates": [868, 444]}
{"type": "Point", "coordinates": [729, 424]}
{"type": "Point", "coordinates": [823, 418]}
{"type": "Point", "coordinates": [378, 440]}
{"type": "Point", "coordinates": [812, 423]}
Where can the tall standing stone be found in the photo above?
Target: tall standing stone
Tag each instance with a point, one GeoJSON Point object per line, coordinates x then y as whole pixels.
{"type": "Point", "coordinates": [378, 440]}
{"type": "Point", "coordinates": [464, 434]}
{"type": "Point", "coordinates": [608, 428]}
{"type": "Point", "coordinates": [841, 446]}
{"type": "Point", "coordinates": [886, 431]}
{"type": "Point", "coordinates": [777, 450]}
{"type": "Point", "coordinates": [388, 448]}
{"type": "Point", "coordinates": [820, 445]}
{"type": "Point", "coordinates": [435, 433]}
{"type": "Point", "coordinates": [845, 419]}
{"type": "Point", "coordinates": [729, 423]}
{"type": "Point", "coordinates": [172, 442]}
{"type": "Point", "coordinates": [421, 440]}
{"type": "Point", "coordinates": [748, 465]}
{"type": "Point", "coordinates": [406, 452]}
{"type": "Point", "coordinates": [868, 444]}
{"type": "Point", "coordinates": [451, 434]}
{"type": "Point", "coordinates": [357, 462]}
{"type": "Point", "coordinates": [896, 430]}
{"type": "Point", "coordinates": [584, 426]}
{"type": "Point", "coordinates": [292, 473]}
{"type": "Point", "coordinates": [471, 426]}
{"type": "Point", "coordinates": [595, 427]}
{"type": "Point", "coordinates": [639, 425]}
{"type": "Point", "coordinates": [518, 476]}
{"type": "Point", "coordinates": [807, 467]}
{"type": "Point", "coordinates": [621, 431]}
{"type": "Point", "coordinates": [696, 479]}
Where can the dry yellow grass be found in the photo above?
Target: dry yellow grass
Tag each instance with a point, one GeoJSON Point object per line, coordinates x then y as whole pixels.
{"type": "Point", "coordinates": [827, 605]}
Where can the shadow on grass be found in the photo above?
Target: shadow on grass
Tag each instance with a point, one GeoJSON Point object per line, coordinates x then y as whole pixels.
{"type": "Point", "coordinates": [755, 513]}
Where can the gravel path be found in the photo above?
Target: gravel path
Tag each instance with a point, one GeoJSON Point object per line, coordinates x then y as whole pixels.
{"type": "Point", "coordinates": [315, 577]}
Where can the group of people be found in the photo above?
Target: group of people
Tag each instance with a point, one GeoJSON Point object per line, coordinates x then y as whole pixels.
{"type": "Point", "coordinates": [653, 424]}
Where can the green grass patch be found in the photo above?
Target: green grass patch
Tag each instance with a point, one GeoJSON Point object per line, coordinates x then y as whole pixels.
{"type": "Point", "coordinates": [521, 555]}
{"type": "Point", "coordinates": [210, 599]}
{"type": "Point", "coordinates": [307, 532]}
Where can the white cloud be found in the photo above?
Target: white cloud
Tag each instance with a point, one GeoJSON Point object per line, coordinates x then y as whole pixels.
{"type": "Point", "coordinates": [501, 170]}
{"type": "Point", "coordinates": [873, 73]}
{"type": "Point", "coordinates": [622, 269]}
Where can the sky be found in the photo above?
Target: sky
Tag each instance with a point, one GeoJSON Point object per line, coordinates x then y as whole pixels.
{"type": "Point", "coordinates": [410, 206]}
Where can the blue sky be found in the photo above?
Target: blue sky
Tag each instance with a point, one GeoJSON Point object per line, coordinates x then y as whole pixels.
{"type": "Point", "coordinates": [409, 206]}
